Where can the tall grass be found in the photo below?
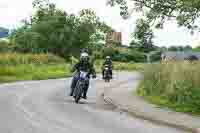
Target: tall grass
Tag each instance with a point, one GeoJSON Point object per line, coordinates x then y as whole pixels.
{"type": "Point", "coordinates": [33, 72]}
{"type": "Point", "coordinates": [17, 58]}
{"type": "Point", "coordinates": [17, 66]}
{"type": "Point", "coordinates": [173, 84]}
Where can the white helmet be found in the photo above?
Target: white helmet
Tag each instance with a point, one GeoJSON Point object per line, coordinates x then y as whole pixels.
{"type": "Point", "coordinates": [84, 56]}
{"type": "Point", "coordinates": [107, 57]}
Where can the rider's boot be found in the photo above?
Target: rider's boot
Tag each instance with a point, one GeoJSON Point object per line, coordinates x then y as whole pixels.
{"type": "Point", "coordinates": [73, 85]}
{"type": "Point", "coordinates": [71, 92]}
{"type": "Point", "coordinates": [85, 93]}
{"type": "Point", "coordinates": [111, 74]}
{"type": "Point", "coordinates": [103, 74]}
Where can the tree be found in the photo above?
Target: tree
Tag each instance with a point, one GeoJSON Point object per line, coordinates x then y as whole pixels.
{"type": "Point", "coordinates": [173, 48]}
{"type": "Point", "coordinates": [187, 48]}
{"type": "Point", "coordinates": [53, 30]}
{"type": "Point", "coordinates": [185, 12]}
{"type": "Point", "coordinates": [180, 48]}
{"type": "Point", "coordinates": [143, 36]}
{"type": "Point", "coordinates": [163, 48]}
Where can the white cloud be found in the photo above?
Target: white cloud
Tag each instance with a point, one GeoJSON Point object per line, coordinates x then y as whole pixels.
{"type": "Point", "coordinates": [13, 11]}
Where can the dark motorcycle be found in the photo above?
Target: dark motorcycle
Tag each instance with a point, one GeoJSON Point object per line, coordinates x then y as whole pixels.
{"type": "Point", "coordinates": [79, 89]}
{"type": "Point", "coordinates": [107, 74]}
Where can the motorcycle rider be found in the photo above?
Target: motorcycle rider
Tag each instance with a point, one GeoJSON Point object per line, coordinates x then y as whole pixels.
{"type": "Point", "coordinates": [107, 62]}
{"type": "Point", "coordinates": [83, 65]}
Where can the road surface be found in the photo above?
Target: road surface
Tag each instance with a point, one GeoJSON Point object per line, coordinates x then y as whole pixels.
{"type": "Point", "coordinates": [44, 107]}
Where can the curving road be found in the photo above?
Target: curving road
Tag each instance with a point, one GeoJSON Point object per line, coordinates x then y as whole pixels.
{"type": "Point", "coordinates": [44, 107]}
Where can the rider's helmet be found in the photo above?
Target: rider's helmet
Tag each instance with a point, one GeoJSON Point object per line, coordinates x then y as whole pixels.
{"type": "Point", "coordinates": [84, 57]}
{"type": "Point", "coordinates": [108, 58]}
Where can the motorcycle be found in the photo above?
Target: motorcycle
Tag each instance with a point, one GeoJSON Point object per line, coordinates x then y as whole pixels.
{"type": "Point", "coordinates": [79, 89]}
{"type": "Point", "coordinates": [107, 75]}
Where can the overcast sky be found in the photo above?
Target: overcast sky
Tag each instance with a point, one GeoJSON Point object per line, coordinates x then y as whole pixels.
{"type": "Point", "coordinates": [12, 11]}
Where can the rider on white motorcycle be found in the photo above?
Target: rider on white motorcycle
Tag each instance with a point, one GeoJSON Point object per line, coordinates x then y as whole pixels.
{"type": "Point", "coordinates": [86, 66]}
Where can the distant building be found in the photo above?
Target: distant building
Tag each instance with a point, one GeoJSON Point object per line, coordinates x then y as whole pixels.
{"type": "Point", "coordinates": [180, 56]}
{"type": "Point", "coordinates": [114, 38]}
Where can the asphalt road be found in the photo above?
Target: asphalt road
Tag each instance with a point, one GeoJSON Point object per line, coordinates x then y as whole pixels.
{"type": "Point", "coordinates": [44, 107]}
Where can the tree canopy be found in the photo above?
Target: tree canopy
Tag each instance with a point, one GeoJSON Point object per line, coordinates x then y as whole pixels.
{"type": "Point", "coordinates": [53, 30]}
{"type": "Point", "coordinates": [185, 12]}
{"type": "Point", "coordinates": [143, 36]}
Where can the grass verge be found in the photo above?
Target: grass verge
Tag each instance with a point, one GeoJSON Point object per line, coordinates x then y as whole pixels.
{"type": "Point", "coordinates": [174, 85]}
{"type": "Point", "coordinates": [33, 72]}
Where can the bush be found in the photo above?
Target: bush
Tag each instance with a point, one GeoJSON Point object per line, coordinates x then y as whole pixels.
{"type": "Point", "coordinates": [176, 83]}
{"type": "Point", "coordinates": [98, 54]}
{"type": "Point", "coordinates": [17, 58]}
{"type": "Point", "coordinates": [128, 56]}
{"type": "Point", "coordinates": [109, 51]}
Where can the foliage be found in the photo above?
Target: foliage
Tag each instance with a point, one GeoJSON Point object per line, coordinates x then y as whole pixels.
{"type": "Point", "coordinates": [130, 56]}
{"type": "Point", "coordinates": [17, 58]}
{"type": "Point", "coordinates": [109, 51]}
{"type": "Point", "coordinates": [173, 48]}
{"type": "Point", "coordinates": [185, 12]}
{"type": "Point", "coordinates": [33, 72]}
{"type": "Point", "coordinates": [180, 48]}
{"type": "Point", "coordinates": [128, 66]}
{"type": "Point", "coordinates": [124, 54]}
{"type": "Point", "coordinates": [156, 57]}
{"type": "Point", "coordinates": [143, 36]}
{"type": "Point", "coordinates": [176, 83]}
{"type": "Point", "coordinates": [120, 66]}
{"type": "Point", "coordinates": [53, 30]}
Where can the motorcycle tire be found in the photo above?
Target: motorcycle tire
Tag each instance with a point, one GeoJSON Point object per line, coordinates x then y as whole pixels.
{"type": "Point", "coordinates": [78, 93]}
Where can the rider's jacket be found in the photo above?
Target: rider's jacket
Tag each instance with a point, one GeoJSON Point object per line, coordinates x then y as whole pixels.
{"type": "Point", "coordinates": [109, 63]}
{"type": "Point", "coordinates": [84, 66]}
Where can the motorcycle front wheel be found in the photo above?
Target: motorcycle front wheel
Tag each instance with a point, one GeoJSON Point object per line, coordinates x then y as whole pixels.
{"type": "Point", "coordinates": [78, 93]}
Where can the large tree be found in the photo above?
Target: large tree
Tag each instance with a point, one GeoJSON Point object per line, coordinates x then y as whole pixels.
{"type": "Point", "coordinates": [53, 30]}
{"type": "Point", "coordinates": [185, 12]}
